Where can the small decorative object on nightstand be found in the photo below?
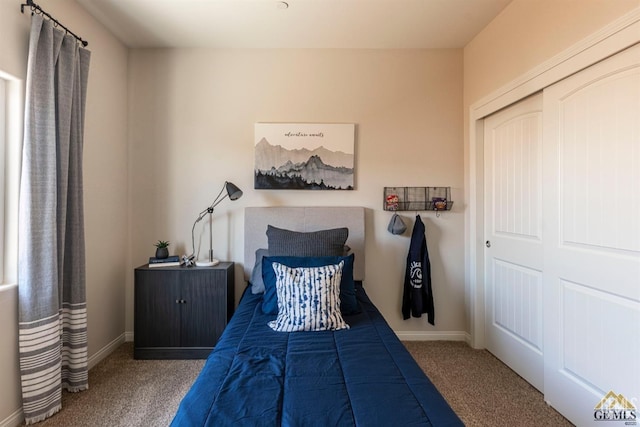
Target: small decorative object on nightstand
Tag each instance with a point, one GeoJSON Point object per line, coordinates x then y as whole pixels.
{"type": "Point", "coordinates": [179, 313]}
{"type": "Point", "coordinates": [162, 249]}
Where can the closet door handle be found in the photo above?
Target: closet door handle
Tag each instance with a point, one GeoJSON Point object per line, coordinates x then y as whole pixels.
{"type": "Point", "coordinates": [488, 243]}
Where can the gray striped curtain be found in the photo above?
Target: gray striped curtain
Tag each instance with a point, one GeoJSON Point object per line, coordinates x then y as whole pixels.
{"type": "Point", "coordinates": [51, 260]}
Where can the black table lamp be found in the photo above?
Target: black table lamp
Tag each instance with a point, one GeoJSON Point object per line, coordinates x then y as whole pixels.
{"type": "Point", "coordinates": [233, 193]}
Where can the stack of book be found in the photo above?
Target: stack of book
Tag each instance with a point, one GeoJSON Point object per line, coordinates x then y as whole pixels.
{"type": "Point", "coordinates": [171, 261]}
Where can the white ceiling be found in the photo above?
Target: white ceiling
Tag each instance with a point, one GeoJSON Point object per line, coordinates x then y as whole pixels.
{"type": "Point", "coordinates": [374, 24]}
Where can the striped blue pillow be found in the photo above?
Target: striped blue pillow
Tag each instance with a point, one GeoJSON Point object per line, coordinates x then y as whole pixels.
{"type": "Point", "coordinates": [308, 298]}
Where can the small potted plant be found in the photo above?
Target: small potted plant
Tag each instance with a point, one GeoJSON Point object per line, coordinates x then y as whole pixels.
{"type": "Point", "coordinates": [162, 249]}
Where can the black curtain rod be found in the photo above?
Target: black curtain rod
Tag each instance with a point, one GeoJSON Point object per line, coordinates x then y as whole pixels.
{"type": "Point", "coordinates": [37, 9]}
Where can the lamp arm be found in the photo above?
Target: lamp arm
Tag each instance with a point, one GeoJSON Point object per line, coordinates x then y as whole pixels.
{"type": "Point", "coordinates": [216, 203]}
{"type": "Point", "coordinates": [217, 200]}
{"type": "Point", "coordinates": [202, 214]}
{"type": "Point", "coordinates": [193, 243]}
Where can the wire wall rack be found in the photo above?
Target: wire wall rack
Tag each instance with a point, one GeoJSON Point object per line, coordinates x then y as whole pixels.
{"type": "Point", "coordinates": [417, 199]}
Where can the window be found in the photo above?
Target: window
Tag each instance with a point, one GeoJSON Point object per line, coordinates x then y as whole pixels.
{"type": "Point", "coordinates": [3, 135]}
{"type": "Point", "coordinates": [11, 119]}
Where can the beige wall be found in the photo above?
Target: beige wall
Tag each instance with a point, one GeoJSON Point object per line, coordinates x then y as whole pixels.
{"type": "Point", "coordinates": [192, 127]}
{"type": "Point", "coordinates": [105, 183]}
{"type": "Point", "coordinates": [526, 34]}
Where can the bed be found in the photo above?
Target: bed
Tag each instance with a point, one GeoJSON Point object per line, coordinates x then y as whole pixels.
{"type": "Point", "coordinates": [354, 373]}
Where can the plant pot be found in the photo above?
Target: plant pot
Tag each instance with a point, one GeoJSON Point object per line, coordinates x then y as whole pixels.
{"type": "Point", "coordinates": [162, 253]}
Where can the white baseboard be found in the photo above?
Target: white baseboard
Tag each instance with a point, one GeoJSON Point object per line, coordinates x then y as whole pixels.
{"type": "Point", "coordinates": [14, 419]}
{"type": "Point", "coordinates": [434, 336]}
{"type": "Point", "coordinates": [105, 351]}
{"type": "Point", "coordinates": [128, 336]}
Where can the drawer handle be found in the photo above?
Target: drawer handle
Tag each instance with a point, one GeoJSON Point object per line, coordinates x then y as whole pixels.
{"type": "Point", "coordinates": [181, 301]}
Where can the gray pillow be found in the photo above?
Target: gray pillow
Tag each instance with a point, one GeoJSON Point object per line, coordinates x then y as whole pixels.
{"type": "Point", "coordinates": [329, 242]}
{"type": "Point", "coordinates": [257, 283]}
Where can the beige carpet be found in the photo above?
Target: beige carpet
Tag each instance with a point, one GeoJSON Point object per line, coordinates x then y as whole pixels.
{"type": "Point", "coordinates": [143, 393]}
{"type": "Point", "coordinates": [481, 389]}
{"type": "Point", "coordinates": [127, 392]}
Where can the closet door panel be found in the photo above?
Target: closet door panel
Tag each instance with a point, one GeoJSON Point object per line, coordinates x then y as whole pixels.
{"type": "Point", "coordinates": [513, 232]}
{"type": "Point", "coordinates": [591, 220]}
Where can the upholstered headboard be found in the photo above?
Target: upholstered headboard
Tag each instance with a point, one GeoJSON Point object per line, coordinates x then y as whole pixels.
{"type": "Point", "coordinates": [256, 220]}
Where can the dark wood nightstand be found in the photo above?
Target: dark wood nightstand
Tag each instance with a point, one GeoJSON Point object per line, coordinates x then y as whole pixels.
{"type": "Point", "coordinates": [180, 312]}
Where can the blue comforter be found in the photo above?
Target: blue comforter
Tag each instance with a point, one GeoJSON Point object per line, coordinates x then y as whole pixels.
{"type": "Point", "coordinates": [361, 376]}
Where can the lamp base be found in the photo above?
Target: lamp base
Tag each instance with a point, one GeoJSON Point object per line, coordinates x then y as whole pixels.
{"type": "Point", "coordinates": [207, 263]}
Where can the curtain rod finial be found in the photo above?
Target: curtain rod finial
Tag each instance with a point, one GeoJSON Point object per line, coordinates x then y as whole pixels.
{"type": "Point", "coordinates": [29, 3]}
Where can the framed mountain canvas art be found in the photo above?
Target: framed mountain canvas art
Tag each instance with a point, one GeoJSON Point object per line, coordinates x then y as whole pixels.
{"type": "Point", "coordinates": [304, 156]}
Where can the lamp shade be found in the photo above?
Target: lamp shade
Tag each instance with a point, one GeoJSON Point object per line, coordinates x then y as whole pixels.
{"type": "Point", "coordinates": [233, 192]}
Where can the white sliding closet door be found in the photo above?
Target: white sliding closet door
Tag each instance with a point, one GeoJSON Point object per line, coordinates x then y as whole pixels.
{"type": "Point", "coordinates": [513, 234]}
{"type": "Point", "coordinates": [591, 209]}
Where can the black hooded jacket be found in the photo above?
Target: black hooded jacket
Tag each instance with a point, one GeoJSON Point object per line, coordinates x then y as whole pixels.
{"type": "Point", "coordinates": [417, 297]}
